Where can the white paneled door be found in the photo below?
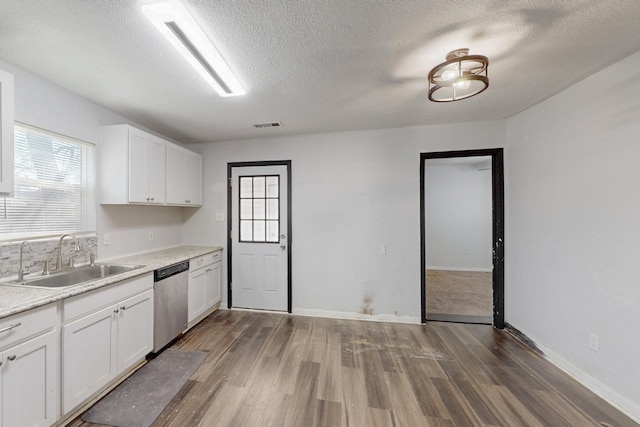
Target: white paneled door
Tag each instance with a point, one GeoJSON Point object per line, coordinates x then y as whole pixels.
{"type": "Point", "coordinates": [259, 240]}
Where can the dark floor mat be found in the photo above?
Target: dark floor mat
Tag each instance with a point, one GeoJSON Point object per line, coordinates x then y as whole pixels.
{"type": "Point", "coordinates": [139, 400]}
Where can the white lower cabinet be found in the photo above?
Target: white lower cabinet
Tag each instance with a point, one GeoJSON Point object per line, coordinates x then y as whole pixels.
{"type": "Point", "coordinates": [204, 285]}
{"type": "Point", "coordinates": [29, 370]}
{"type": "Point", "coordinates": [197, 285]}
{"type": "Point", "coordinates": [101, 345]}
{"type": "Point", "coordinates": [214, 279]}
{"type": "Point", "coordinates": [29, 382]}
{"type": "Point", "coordinates": [135, 330]}
{"type": "Point", "coordinates": [88, 356]}
{"type": "Point", "coordinates": [96, 338]}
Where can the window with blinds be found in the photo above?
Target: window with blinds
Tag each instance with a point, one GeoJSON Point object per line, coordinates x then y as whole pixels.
{"type": "Point", "coordinates": [54, 186]}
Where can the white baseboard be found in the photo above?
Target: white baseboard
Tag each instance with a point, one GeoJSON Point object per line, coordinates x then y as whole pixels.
{"type": "Point", "coordinates": [355, 316]}
{"type": "Point", "coordinates": [631, 409]}
{"type": "Point", "coordinates": [478, 269]}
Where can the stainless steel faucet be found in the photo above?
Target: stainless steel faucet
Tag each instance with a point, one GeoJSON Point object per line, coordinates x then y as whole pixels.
{"type": "Point", "coordinates": [21, 270]}
{"type": "Point", "coordinates": [76, 249]}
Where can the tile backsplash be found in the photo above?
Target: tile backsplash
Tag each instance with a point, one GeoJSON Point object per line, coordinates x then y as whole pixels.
{"type": "Point", "coordinates": [41, 250]}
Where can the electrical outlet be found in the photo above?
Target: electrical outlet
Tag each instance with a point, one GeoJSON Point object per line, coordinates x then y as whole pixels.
{"type": "Point", "coordinates": [383, 249]}
{"type": "Point", "coordinates": [220, 217]}
{"type": "Point", "coordinates": [150, 236]}
{"type": "Point", "coordinates": [593, 342]}
{"type": "Point", "coordinates": [105, 239]}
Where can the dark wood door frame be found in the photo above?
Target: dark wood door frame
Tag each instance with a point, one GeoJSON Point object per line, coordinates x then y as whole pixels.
{"type": "Point", "coordinates": [230, 167]}
{"type": "Point", "coordinates": [497, 184]}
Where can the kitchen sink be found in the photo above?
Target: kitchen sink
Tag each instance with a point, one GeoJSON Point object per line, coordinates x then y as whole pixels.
{"type": "Point", "coordinates": [79, 275]}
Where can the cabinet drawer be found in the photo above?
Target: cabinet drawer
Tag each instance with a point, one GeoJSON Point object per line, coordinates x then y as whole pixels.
{"type": "Point", "coordinates": [24, 325]}
{"type": "Point", "coordinates": [82, 304]}
{"type": "Point", "coordinates": [203, 260]}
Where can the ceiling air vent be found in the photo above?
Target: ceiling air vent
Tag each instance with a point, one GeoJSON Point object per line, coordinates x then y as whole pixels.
{"type": "Point", "coordinates": [267, 125]}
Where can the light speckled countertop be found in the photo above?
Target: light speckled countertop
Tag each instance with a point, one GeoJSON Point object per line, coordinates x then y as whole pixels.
{"type": "Point", "coordinates": [16, 298]}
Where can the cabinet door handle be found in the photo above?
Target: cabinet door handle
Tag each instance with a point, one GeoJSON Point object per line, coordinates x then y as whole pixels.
{"type": "Point", "coordinates": [8, 328]}
{"type": "Point", "coordinates": [12, 357]}
{"type": "Point", "coordinates": [116, 311]}
{"type": "Point", "coordinates": [123, 308]}
{"type": "Point", "coordinates": [152, 199]}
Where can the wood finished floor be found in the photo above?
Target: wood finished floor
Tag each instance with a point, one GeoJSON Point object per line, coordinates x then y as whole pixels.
{"type": "Point", "coordinates": [267, 369]}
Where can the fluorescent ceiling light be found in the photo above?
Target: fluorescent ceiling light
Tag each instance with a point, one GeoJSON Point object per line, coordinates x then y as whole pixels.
{"type": "Point", "coordinates": [175, 22]}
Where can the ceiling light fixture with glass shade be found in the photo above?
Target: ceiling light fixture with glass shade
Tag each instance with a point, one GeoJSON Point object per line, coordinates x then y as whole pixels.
{"type": "Point", "coordinates": [175, 22]}
{"type": "Point", "coordinates": [460, 76]}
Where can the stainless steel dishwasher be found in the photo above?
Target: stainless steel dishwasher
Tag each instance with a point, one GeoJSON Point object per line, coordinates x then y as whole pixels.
{"type": "Point", "coordinates": [170, 303]}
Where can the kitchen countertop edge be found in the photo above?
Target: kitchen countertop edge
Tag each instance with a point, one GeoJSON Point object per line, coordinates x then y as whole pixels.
{"type": "Point", "coordinates": [16, 299]}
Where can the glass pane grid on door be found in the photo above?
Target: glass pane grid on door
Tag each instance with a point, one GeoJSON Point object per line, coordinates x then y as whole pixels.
{"type": "Point", "coordinates": [259, 208]}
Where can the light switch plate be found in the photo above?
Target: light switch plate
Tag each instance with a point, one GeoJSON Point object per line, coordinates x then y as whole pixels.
{"type": "Point", "coordinates": [105, 239]}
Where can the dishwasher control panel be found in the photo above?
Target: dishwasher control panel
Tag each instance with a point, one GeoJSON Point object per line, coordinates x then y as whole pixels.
{"type": "Point", "coordinates": [165, 272]}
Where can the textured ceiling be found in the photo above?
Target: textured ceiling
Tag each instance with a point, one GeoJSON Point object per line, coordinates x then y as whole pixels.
{"type": "Point", "coordinates": [318, 65]}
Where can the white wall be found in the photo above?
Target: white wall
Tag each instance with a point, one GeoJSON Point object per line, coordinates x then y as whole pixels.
{"type": "Point", "coordinates": [573, 229]}
{"type": "Point", "coordinates": [458, 216]}
{"type": "Point", "coordinates": [42, 104]}
{"type": "Point", "coordinates": [129, 226]}
{"type": "Point", "coordinates": [351, 193]}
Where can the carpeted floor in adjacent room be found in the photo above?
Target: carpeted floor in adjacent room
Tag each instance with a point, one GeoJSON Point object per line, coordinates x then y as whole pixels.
{"type": "Point", "coordinates": [466, 293]}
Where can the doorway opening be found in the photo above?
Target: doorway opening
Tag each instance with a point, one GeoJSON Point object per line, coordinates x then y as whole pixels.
{"type": "Point", "coordinates": [259, 235]}
{"type": "Point", "coordinates": [462, 236]}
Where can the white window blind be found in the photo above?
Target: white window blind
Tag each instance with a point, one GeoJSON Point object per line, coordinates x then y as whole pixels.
{"type": "Point", "coordinates": [54, 186]}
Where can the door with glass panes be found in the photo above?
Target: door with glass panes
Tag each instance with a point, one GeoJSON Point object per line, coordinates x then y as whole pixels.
{"type": "Point", "coordinates": [259, 244]}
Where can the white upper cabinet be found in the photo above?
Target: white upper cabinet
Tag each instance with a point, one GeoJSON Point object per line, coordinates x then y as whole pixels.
{"type": "Point", "coordinates": [132, 166]}
{"type": "Point", "coordinates": [194, 169]}
{"type": "Point", "coordinates": [146, 168]}
{"type": "Point", "coordinates": [139, 168]}
{"type": "Point", "coordinates": [184, 176]}
{"type": "Point", "coordinates": [156, 160]}
{"type": "Point", "coordinates": [6, 133]}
